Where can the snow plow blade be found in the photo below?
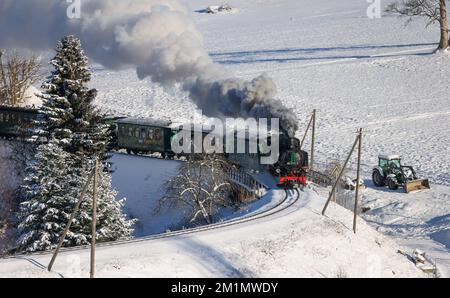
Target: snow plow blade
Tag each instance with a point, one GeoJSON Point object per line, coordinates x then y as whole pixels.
{"type": "Point", "coordinates": [417, 185]}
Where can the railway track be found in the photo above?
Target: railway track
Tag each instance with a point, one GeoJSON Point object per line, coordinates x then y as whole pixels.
{"type": "Point", "coordinates": [290, 198]}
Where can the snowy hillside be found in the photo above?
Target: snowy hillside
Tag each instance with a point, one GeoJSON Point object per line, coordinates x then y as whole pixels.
{"type": "Point", "coordinates": [295, 242]}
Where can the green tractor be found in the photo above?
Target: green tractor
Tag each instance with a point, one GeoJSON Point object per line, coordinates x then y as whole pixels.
{"type": "Point", "coordinates": [392, 173]}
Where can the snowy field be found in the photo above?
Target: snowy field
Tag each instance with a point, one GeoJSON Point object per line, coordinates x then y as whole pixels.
{"type": "Point", "coordinates": [358, 72]}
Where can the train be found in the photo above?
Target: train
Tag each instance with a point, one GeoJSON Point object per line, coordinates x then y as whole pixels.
{"type": "Point", "coordinates": [148, 136]}
{"type": "Point", "coordinates": [16, 122]}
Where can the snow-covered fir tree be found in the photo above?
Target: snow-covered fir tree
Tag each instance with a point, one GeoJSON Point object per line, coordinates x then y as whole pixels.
{"type": "Point", "coordinates": [51, 189]}
{"type": "Point", "coordinates": [54, 180]}
{"type": "Point", "coordinates": [48, 195]}
{"type": "Point", "coordinates": [69, 115]}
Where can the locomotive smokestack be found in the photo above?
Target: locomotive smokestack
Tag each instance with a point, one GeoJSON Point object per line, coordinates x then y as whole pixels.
{"type": "Point", "coordinates": [157, 38]}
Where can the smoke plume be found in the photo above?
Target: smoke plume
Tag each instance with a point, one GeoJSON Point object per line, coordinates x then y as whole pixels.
{"type": "Point", "coordinates": [156, 37]}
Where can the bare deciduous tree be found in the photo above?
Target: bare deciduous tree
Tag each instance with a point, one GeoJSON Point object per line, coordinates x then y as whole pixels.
{"type": "Point", "coordinates": [17, 74]}
{"type": "Point", "coordinates": [202, 184]}
{"type": "Point", "coordinates": [434, 10]}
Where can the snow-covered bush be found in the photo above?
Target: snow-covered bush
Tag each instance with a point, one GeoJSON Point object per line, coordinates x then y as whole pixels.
{"type": "Point", "coordinates": [202, 187]}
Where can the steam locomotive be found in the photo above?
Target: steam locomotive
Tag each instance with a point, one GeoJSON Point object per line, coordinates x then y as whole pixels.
{"type": "Point", "coordinates": [292, 164]}
{"type": "Point", "coordinates": [155, 136]}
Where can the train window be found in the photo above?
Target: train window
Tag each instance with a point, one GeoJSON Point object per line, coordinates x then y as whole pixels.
{"type": "Point", "coordinates": [143, 133]}
{"type": "Point", "coordinates": [130, 131]}
{"type": "Point", "coordinates": [6, 117]}
{"type": "Point", "coordinates": [1, 117]}
{"type": "Point", "coordinates": [150, 133]}
{"type": "Point", "coordinates": [157, 134]}
{"type": "Point", "coordinates": [136, 132]}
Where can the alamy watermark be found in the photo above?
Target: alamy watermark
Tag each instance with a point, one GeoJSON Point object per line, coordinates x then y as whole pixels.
{"type": "Point", "coordinates": [74, 9]}
{"type": "Point", "coordinates": [231, 136]}
{"type": "Point", "coordinates": [374, 9]}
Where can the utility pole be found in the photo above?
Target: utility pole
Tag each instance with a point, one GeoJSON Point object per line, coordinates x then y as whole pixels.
{"type": "Point", "coordinates": [306, 133]}
{"type": "Point", "coordinates": [355, 211]}
{"type": "Point", "coordinates": [312, 126]}
{"type": "Point", "coordinates": [94, 174]}
{"type": "Point", "coordinates": [313, 139]}
{"type": "Point", "coordinates": [336, 173]}
{"type": "Point", "coordinates": [94, 218]}
{"type": "Point", "coordinates": [72, 216]}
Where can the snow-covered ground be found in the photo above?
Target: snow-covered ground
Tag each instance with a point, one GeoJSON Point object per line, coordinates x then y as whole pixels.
{"type": "Point", "coordinates": [32, 98]}
{"type": "Point", "coordinates": [140, 180]}
{"type": "Point", "coordinates": [358, 72]}
{"type": "Point", "coordinates": [295, 242]}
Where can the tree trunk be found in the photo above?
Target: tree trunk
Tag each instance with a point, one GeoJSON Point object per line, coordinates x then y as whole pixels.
{"type": "Point", "coordinates": [443, 22]}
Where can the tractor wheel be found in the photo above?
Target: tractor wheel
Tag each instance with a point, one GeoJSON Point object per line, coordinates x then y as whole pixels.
{"type": "Point", "coordinates": [392, 184]}
{"type": "Point", "coordinates": [378, 179]}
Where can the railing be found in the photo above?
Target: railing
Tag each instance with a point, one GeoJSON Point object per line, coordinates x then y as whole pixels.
{"type": "Point", "coordinates": [319, 178]}
{"type": "Point", "coordinates": [248, 184]}
{"type": "Point", "coordinates": [343, 197]}
{"type": "Point", "coordinates": [346, 198]}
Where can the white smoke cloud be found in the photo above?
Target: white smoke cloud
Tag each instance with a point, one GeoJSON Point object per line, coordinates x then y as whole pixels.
{"type": "Point", "coordinates": [156, 37]}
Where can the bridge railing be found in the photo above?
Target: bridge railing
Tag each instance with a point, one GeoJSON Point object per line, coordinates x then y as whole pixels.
{"type": "Point", "coordinates": [248, 183]}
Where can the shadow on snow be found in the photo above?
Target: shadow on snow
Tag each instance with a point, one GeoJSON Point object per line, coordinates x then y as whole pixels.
{"type": "Point", "coordinates": [249, 57]}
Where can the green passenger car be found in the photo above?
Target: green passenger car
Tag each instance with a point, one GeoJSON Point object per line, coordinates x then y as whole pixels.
{"type": "Point", "coordinates": [144, 136]}
{"type": "Point", "coordinates": [17, 122]}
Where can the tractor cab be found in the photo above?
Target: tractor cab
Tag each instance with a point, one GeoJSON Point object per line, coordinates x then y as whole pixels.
{"type": "Point", "coordinates": [386, 162]}
{"type": "Point", "coordinates": [392, 173]}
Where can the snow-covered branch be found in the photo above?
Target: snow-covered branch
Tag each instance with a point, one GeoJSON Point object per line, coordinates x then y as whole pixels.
{"type": "Point", "coordinates": [17, 74]}
{"type": "Point", "coordinates": [202, 184]}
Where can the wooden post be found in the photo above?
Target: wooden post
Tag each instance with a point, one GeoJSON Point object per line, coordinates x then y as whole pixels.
{"type": "Point", "coordinates": [357, 180]}
{"type": "Point", "coordinates": [313, 139]}
{"type": "Point", "coordinates": [336, 177]}
{"type": "Point", "coordinates": [72, 216]}
{"type": "Point", "coordinates": [306, 132]}
{"type": "Point", "coordinates": [83, 169]}
{"type": "Point", "coordinates": [340, 176]}
{"type": "Point", "coordinates": [94, 219]}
